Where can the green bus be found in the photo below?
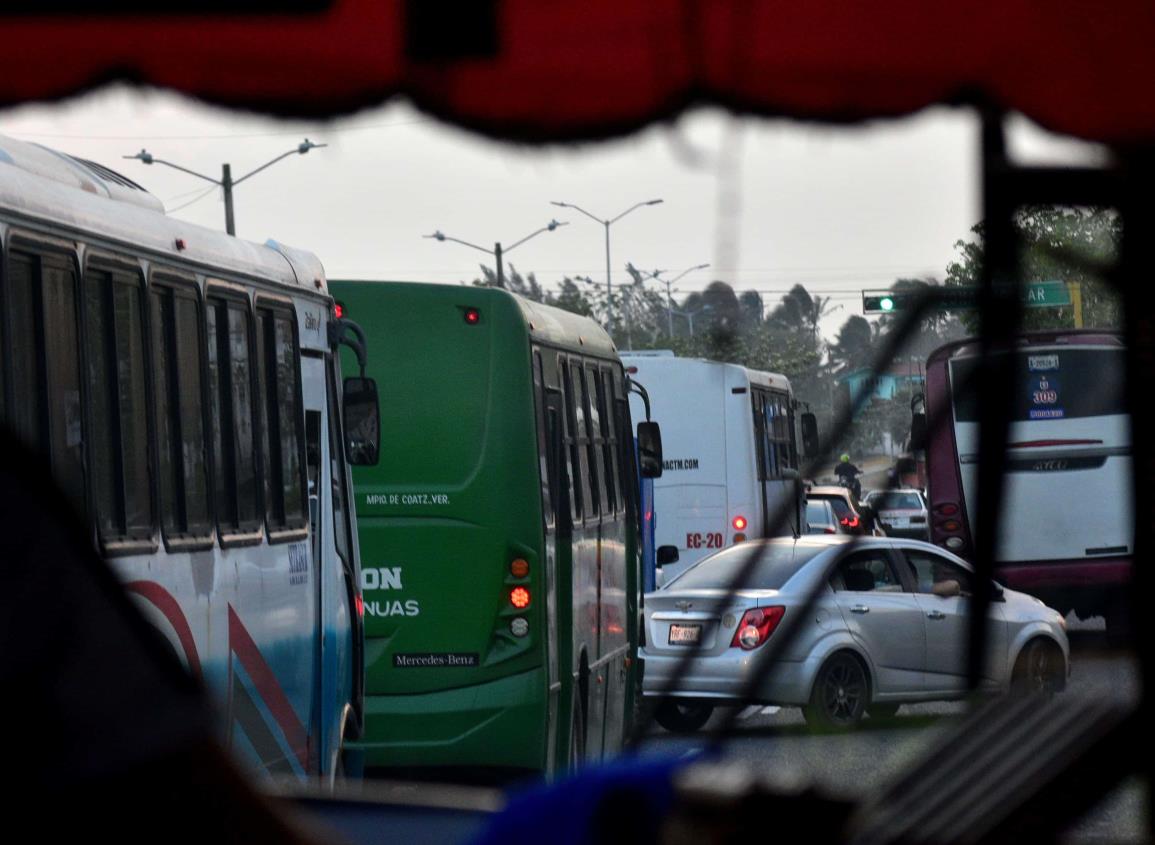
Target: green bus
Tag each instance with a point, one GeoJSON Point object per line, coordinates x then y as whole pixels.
{"type": "Point", "coordinates": [499, 533]}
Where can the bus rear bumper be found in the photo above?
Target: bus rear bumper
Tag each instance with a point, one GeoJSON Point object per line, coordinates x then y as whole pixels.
{"type": "Point", "coordinates": [497, 724]}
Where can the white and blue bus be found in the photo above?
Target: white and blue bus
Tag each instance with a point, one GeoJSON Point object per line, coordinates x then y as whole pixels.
{"type": "Point", "coordinates": [182, 387]}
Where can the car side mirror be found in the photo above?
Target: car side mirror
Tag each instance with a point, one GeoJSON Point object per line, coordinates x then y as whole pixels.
{"type": "Point", "coordinates": [650, 449]}
{"type": "Point", "coordinates": [946, 589]}
{"type": "Point", "coordinates": [362, 413]}
{"type": "Point", "coordinates": [809, 435]}
{"type": "Point", "coordinates": [667, 554]}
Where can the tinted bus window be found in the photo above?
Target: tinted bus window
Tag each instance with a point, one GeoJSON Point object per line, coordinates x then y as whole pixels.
{"type": "Point", "coordinates": [608, 446]}
{"type": "Point", "coordinates": [24, 414]}
{"type": "Point", "coordinates": [120, 461]}
{"type": "Point", "coordinates": [545, 465]}
{"type": "Point", "coordinates": [571, 440]}
{"type": "Point", "coordinates": [1051, 384]}
{"type": "Point", "coordinates": [594, 444]}
{"type": "Point", "coordinates": [62, 364]}
{"type": "Point", "coordinates": [280, 391]}
{"type": "Point", "coordinates": [230, 386]}
{"type": "Point", "coordinates": [179, 416]}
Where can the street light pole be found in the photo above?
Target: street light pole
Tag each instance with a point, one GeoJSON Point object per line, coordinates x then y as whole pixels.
{"type": "Point", "coordinates": [607, 223]}
{"type": "Point", "coordinates": [498, 252]}
{"type": "Point", "coordinates": [656, 276]}
{"type": "Point", "coordinates": [226, 182]}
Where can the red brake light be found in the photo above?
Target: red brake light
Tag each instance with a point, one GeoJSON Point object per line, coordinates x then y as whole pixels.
{"type": "Point", "coordinates": [472, 316]}
{"type": "Point", "coordinates": [849, 522]}
{"type": "Point", "coordinates": [949, 509]}
{"type": "Point", "coordinates": [756, 627]}
{"type": "Point", "coordinates": [739, 523]}
{"type": "Point", "coordinates": [338, 310]}
{"type": "Point", "coordinates": [519, 597]}
{"type": "Point", "coordinates": [360, 606]}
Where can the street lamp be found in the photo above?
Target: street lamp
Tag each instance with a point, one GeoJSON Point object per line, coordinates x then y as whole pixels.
{"type": "Point", "coordinates": [227, 182]}
{"type": "Point", "coordinates": [497, 252]}
{"type": "Point", "coordinates": [669, 294]}
{"type": "Point", "coordinates": [607, 224]}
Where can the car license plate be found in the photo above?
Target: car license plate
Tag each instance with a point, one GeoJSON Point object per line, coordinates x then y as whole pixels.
{"type": "Point", "coordinates": [685, 634]}
{"type": "Point", "coordinates": [900, 522]}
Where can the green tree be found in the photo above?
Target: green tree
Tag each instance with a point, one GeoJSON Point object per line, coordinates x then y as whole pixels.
{"type": "Point", "coordinates": [1059, 243]}
{"type": "Point", "coordinates": [853, 347]}
{"type": "Point", "coordinates": [526, 286]}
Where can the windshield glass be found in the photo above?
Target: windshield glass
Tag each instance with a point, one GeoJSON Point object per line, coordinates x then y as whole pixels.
{"type": "Point", "coordinates": [896, 501]}
{"type": "Point", "coordinates": [496, 600]}
{"type": "Point", "coordinates": [777, 564]}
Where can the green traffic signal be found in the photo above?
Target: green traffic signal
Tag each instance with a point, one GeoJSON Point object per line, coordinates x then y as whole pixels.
{"type": "Point", "coordinates": [886, 303]}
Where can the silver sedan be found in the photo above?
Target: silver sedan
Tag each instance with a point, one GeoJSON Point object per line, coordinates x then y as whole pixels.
{"type": "Point", "coordinates": [889, 627]}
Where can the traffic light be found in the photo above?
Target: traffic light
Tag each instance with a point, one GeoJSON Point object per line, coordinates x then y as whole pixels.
{"type": "Point", "coordinates": [881, 301]}
{"type": "Point", "coordinates": [952, 298]}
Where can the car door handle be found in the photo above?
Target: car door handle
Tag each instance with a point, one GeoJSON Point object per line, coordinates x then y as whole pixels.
{"type": "Point", "coordinates": [860, 608]}
{"type": "Point", "coordinates": [936, 614]}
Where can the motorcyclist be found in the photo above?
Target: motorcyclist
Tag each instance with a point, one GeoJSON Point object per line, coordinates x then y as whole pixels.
{"type": "Point", "coordinates": [847, 475]}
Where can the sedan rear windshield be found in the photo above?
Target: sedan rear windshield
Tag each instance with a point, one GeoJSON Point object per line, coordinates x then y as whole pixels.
{"type": "Point", "coordinates": [816, 512]}
{"type": "Point", "coordinates": [776, 564]}
{"type": "Point", "coordinates": [895, 501]}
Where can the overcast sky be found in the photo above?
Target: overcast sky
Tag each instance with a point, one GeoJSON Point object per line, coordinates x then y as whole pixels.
{"type": "Point", "coordinates": [837, 209]}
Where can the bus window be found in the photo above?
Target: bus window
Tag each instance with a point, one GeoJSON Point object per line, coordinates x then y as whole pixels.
{"type": "Point", "coordinates": [24, 413]}
{"type": "Point", "coordinates": [761, 458]}
{"type": "Point", "coordinates": [123, 501]}
{"type": "Point", "coordinates": [177, 358]}
{"type": "Point", "coordinates": [62, 366]}
{"type": "Point", "coordinates": [581, 440]}
{"type": "Point", "coordinates": [608, 446]}
{"type": "Point", "coordinates": [595, 440]}
{"type": "Point", "coordinates": [233, 432]}
{"type": "Point", "coordinates": [571, 439]}
{"type": "Point", "coordinates": [277, 363]}
{"type": "Point", "coordinates": [545, 466]}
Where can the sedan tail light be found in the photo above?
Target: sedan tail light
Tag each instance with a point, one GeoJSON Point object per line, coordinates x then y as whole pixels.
{"type": "Point", "coordinates": [756, 626]}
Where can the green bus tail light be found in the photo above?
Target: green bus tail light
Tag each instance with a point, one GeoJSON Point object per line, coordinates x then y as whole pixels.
{"type": "Point", "coordinates": [519, 597]}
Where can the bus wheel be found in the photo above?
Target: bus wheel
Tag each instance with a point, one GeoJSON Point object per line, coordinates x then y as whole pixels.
{"type": "Point", "coordinates": [681, 716]}
{"type": "Point", "coordinates": [841, 692]}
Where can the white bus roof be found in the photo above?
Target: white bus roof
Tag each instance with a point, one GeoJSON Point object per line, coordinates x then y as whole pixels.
{"type": "Point", "coordinates": [41, 187]}
{"type": "Point", "coordinates": [670, 363]}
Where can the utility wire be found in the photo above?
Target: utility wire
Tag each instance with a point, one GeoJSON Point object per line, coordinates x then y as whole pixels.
{"type": "Point", "coordinates": [204, 193]}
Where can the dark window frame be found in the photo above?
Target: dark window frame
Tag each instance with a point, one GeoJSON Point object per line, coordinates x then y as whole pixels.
{"type": "Point", "coordinates": [184, 285]}
{"type": "Point", "coordinates": [99, 261]}
{"type": "Point", "coordinates": [294, 528]}
{"type": "Point", "coordinates": [40, 248]}
{"type": "Point", "coordinates": [244, 533]}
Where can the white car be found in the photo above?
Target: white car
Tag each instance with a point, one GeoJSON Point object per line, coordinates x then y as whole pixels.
{"type": "Point", "coordinates": [889, 627]}
{"type": "Point", "coordinates": [901, 513]}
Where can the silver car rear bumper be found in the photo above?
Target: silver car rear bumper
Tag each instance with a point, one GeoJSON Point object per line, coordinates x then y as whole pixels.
{"type": "Point", "coordinates": [725, 676]}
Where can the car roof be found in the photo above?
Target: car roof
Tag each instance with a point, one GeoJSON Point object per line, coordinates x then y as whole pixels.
{"type": "Point", "coordinates": [830, 490]}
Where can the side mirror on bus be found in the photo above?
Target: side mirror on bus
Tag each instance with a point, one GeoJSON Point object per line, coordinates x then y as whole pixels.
{"type": "Point", "coordinates": [809, 435]}
{"type": "Point", "coordinates": [650, 449]}
{"type": "Point", "coordinates": [362, 414]}
{"type": "Point", "coordinates": [917, 432]}
{"type": "Point", "coordinates": [667, 554]}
